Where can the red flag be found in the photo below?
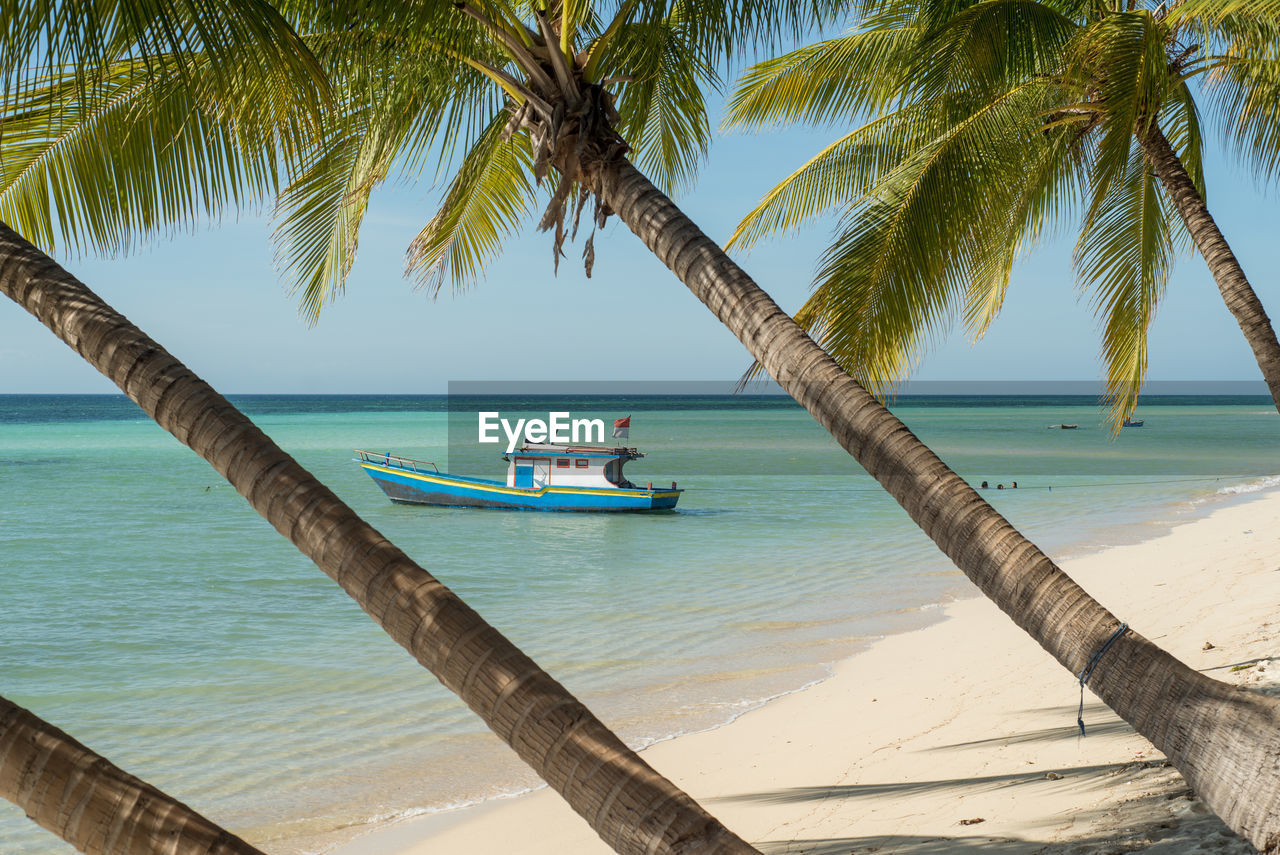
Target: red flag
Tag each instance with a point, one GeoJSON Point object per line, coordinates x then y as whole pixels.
{"type": "Point", "coordinates": [622, 428]}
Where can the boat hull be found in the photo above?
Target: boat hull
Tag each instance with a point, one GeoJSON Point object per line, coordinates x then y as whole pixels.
{"type": "Point", "coordinates": [431, 488]}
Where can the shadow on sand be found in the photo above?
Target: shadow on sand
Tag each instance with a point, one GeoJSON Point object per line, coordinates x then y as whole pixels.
{"type": "Point", "coordinates": [1200, 833]}
{"type": "Point", "coordinates": [1165, 816]}
{"type": "Point", "coordinates": [1094, 776]}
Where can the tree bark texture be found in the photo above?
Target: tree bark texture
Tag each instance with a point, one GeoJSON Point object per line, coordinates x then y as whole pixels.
{"type": "Point", "coordinates": [1236, 291]}
{"type": "Point", "coordinates": [90, 803]}
{"type": "Point", "coordinates": [1225, 741]}
{"type": "Point", "coordinates": [632, 807]}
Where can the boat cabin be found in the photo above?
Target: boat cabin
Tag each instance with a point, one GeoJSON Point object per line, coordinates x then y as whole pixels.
{"type": "Point", "coordinates": [534, 466]}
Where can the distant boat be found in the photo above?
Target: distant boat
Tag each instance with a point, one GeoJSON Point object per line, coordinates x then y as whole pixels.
{"type": "Point", "coordinates": [1063, 427]}
{"type": "Point", "coordinates": [540, 478]}
{"type": "Point", "coordinates": [1133, 422]}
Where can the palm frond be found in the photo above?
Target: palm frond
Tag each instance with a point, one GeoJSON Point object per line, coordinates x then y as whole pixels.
{"type": "Point", "coordinates": [321, 210]}
{"type": "Point", "coordinates": [739, 30]}
{"type": "Point", "coordinates": [828, 82]}
{"type": "Point", "coordinates": [100, 164]}
{"type": "Point", "coordinates": [989, 46]}
{"type": "Point", "coordinates": [599, 47]}
{"type": "Point", "coordinates": [661, 102]}
{"type": "Point", "coordinates": [419, 82]}
{"type": "Point", "coordinates": [1123, 258]}
{"type": "Point", "coordinates": [841, 174]}
{"type": "Point", "coordinates": [404, 96]}
{"type": "Point", "coordinates": [1181, 124]}
{"type": "Point", "coordinates": [1051, 184]}
{"type": "Point", "coordinates": [937, 221]}
{"type": "Point", "coordinates": [1242, 84]}
{"type": "Point", "coordinates": [244, 53]}
{"type": "Point", "coordinates": [912, 258]}
{"type": "Point", "coordinates": [1214, 12]}
{"type": "Point", "coordinates": [488, 199]}
{"type": "Point", "coordinates": [1120, 61]}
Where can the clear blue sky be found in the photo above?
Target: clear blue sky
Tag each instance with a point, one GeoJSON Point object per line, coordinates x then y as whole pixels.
{"type": "Point", "coordinates": [215, 300]}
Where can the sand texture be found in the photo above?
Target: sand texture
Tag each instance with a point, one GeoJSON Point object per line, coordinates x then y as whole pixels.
{"type": "Point", "coordinates": [960, 737]}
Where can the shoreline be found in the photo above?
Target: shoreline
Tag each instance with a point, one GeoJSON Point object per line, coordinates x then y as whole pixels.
{"type": "Point", "coordinates": [954, 733]}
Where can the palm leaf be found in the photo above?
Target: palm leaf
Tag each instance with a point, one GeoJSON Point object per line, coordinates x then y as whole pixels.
{"type": "Point", "coordinates": [488, 199]}
{"type": "Point", "coordinates": [243, 52]}
{"type": "Point", "coordinates": [99, 164]}
{"type": "Point", "coordinates": [840, 174]}
{"type": "Point", "coordinates": [1051, 184]}
{"type": "Point", "coordinates": [831, 81]}
{"type": "Point", "coordinates": [1242, 84]}
{"type": "Point", "coordinates": [1120, 61]}
{"type": "Point", "coordinates": [988, 47]}
{"type": "Point", "coordinates": [661, 104]}
{"type": "Point", "coordinates": [733, 31]}
{"type": "Point", "coordinates": [928, 239]}
{"type": "Point", "coordinates": [404, 96]}
{"type": "Point", "coordinates": [321, 210]}
{"type": "Point", "coordinates": [1181, 125]}
{"type": "Point", "coordinates": [1123, 257]}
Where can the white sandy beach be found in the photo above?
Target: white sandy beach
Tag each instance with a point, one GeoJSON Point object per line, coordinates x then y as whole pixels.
{"type": "Point", "coordinates": [960, 737]}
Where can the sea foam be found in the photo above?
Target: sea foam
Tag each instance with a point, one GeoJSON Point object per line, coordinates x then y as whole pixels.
{"type": "Point", "coordinates": [1252, 486]}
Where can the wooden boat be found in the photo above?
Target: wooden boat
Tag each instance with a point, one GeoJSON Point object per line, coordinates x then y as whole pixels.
{"type": "Point", "coordinates": [539, 478]}
{"type": "Point", "coordinates": [1134, 422]}
{"type": "Point", "coordinates": [1063, 427]}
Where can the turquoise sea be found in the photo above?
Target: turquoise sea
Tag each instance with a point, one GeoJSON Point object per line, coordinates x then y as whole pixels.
{"type": "Point", "coordinates": [145, 609]}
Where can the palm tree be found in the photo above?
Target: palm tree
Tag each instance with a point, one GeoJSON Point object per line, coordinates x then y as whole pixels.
{"type": "Point", "coordinates": [631, 806]}
{"type": "Point", "coordinates": [155, 136]}
{"type": "Point", "coordinates": [990, 122]}
{"type": "Point", "coordinates": [556, 85]}
{"type": "Point", "coordinates": [100, 808]}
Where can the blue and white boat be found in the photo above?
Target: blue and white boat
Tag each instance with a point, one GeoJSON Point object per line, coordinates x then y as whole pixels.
{"type": "Point", "coordinates": [539, 478]}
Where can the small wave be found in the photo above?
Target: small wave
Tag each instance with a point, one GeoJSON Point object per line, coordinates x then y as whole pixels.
{"type": "Point", "coordinates": [52, 461]}
{"type": "Point", "coordinates": [392, 816]}
{"type": "Point", "coordinates": [448, 807]}
{"type": "Point", "coordinates": [1251, 487]}
{"type": "Point", "coordinates": [732, 711]}
{"type": "Point", "coordinates": [381, 821]}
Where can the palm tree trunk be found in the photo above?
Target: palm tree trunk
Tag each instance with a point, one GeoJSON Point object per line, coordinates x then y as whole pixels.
{"type": "Point", "coordinates": [90, 803]}
{"type": "Point", "coordinates": [1226, 742]}
{"type": "Point", "coordinates": [632, 807]}
{"type": "Point", "coordinates": [1236, 291]}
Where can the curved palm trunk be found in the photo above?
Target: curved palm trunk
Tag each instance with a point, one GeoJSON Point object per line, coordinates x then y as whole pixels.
{"type": "Point", "coordinates": [632, 807]}
{"type": "Point", "coordinates": [1226, 742]}
{"type": "Point", "coordinates": [92, 804]}
{"type": "Point", "coordinates": [1236, 291]}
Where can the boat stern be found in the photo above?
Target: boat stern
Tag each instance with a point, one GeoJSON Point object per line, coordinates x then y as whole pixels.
{"type": "Point", "coordinates": [664, 500]}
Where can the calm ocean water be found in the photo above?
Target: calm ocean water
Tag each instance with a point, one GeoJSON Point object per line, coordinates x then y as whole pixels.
{"type": "Point", "coordinates": [148, 611]}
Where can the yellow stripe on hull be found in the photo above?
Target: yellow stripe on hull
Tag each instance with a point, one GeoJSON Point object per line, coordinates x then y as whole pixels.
{"type": "Point", "coordinates": [517, 491]}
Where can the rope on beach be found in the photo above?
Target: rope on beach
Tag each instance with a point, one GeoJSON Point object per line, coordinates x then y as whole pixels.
{"type": "Point", "coordinates": [1088, 669]}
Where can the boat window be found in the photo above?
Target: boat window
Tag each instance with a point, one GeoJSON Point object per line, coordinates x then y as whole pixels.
{"type": "Point", "coordinates": [581, 463]}
{"type": "Point", "coordinates": [562, 463]}
{"type": "Point", "coordinates": [613, 474]}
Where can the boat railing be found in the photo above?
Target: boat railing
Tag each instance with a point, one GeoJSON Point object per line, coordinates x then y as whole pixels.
{"type": "Point", "coordinates": [389, 459]}
{"type": "Point", "coordinates": [619, 450]}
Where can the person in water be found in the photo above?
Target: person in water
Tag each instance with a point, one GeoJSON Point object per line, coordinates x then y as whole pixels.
{"type": "Point", "coordinates": [1013, 486]}
{"type": "Point", "coordinates": [999, 486]}
{"type": "Point", "coordinates": [984, 485]}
